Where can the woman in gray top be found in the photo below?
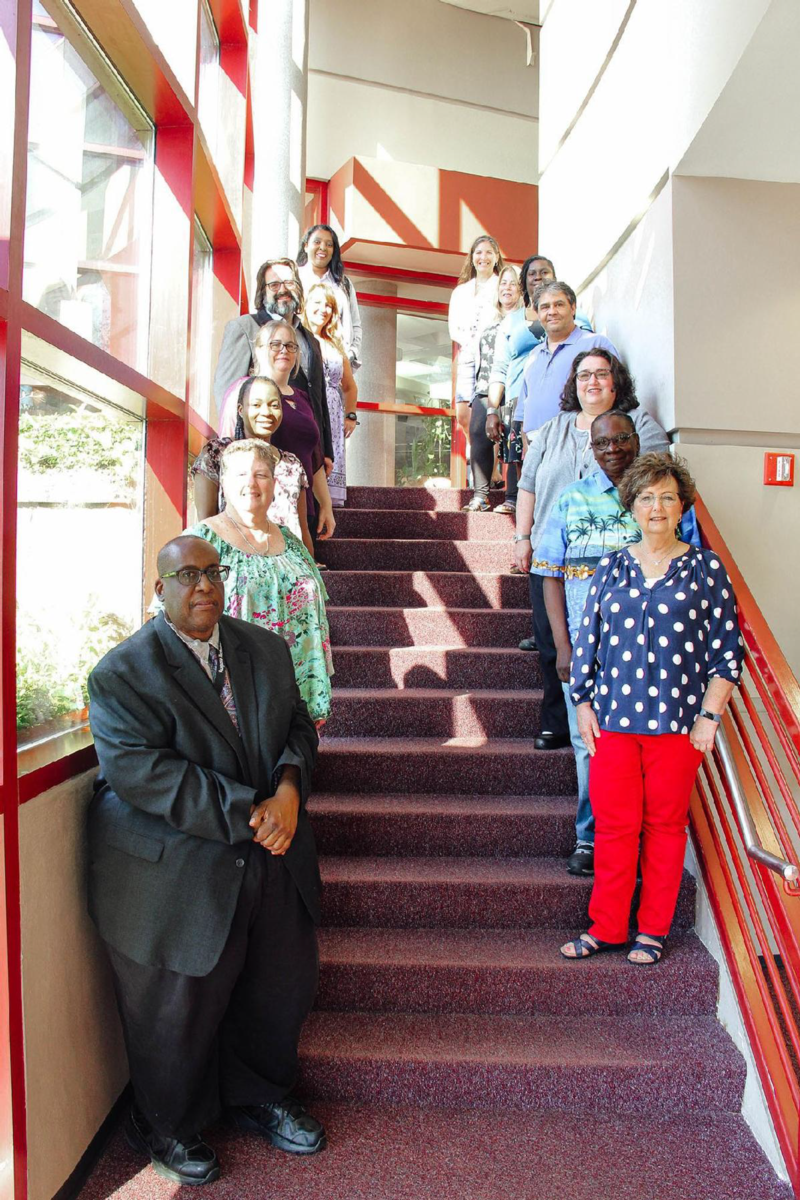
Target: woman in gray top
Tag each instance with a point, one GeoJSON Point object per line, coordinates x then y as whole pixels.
{"type": "Point", "coordinates": [559, 454]}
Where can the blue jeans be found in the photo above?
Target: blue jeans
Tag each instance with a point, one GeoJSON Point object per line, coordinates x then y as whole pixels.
{"type": "Point", "coordinates": [575, 593]}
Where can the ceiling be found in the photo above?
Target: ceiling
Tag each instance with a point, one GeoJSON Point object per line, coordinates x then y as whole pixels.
{"type": "Point", "coordinates": [514, 10]}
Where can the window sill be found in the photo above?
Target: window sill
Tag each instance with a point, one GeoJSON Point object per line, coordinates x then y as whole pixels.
{"type": "Point", "coordinates": [52, 754]}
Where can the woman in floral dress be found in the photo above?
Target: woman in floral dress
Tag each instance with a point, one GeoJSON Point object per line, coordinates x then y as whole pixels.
{"type": "Point", "coordinates": [273, 580]}
{"type": "Point", "coordinates": [321, 317]}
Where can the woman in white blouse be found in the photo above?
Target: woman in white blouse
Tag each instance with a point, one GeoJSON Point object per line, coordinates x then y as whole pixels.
{"type": "Point", "coordinates": [473, 305]}
{"type": "Point", "coordinates": [319, 260]}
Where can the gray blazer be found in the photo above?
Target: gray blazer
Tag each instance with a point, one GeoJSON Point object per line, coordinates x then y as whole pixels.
{"type": "Point", "coordinates": [168, 825]}
{"type": "Point", "coordinates": [236, 355]}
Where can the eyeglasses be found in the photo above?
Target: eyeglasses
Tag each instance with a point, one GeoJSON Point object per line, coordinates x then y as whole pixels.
{"type": "Point", "coordinates": [601, 376]}
{"type": "Point", "coordinates": [647, 500]}
{"type": "Point", "coordinates": [190, 576]}
{"type": "Point", "coordinates": [278, 285]}
{"type": "Point", "coordinates": [276, 347]}
{"type": "Point", "coordinates": [619, 439]}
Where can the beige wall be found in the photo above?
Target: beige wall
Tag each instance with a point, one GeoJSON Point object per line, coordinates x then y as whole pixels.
{"type": "Point", "coordinates": [75, 1060]}
{"type": "Point", "coordinates": [737, 270]}
{"type": "Point", "coordinates": [420, 82]}
{"type": "Point", "coordinates": [761, 526]}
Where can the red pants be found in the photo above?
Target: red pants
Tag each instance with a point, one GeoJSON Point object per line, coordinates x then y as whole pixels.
{"type": "Point", "coordinates": [640, 787]}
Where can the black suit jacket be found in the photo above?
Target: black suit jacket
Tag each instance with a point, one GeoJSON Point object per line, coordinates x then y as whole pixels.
{"type": "Point", "coordinates": [236, 356]}
{"type": "Point", "coordinates": [168, 825]}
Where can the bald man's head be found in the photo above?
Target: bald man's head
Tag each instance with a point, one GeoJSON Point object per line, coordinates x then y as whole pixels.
{"type": "Point", "coordinates": [192, 602]}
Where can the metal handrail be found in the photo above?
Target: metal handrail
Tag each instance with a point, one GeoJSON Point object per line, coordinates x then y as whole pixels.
{"type": "Point", "coordinates": [789, 871]}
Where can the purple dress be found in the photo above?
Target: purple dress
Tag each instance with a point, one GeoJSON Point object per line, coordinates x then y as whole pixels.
{"type": "Point", "coordinates": [298, 433]}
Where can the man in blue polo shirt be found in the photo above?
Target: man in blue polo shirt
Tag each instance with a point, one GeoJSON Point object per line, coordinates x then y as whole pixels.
{"type": "Point", "coordinates": [549, 364]}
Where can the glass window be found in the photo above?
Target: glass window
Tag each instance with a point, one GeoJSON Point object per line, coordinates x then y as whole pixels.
{"type": "Point", "coordinates": [422, 450]}
{"type": "Point", "coordinates": [424, 361]}
{"type": "Point", "coordinates": [89, 194]}
{"type": "Point", "coordinates": [208, 88]}
{"type": "Point", "coordinates": [79, 553]}
{"type": "Point", "coordinates": [200, 364]}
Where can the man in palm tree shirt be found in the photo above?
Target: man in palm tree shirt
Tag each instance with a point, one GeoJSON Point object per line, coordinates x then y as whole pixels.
{"type": "Point", "coordinates": [586, 523]}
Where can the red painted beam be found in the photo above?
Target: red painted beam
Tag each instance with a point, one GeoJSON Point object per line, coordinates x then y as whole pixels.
{"type": "Point", "coordinates": [432, 307]}
{"type": "Point", "coordinates": [19, 39]}
{"type": "Point", "coordinates": [429, 278]}
{"type": "Point", "coordinates": [56, 334]}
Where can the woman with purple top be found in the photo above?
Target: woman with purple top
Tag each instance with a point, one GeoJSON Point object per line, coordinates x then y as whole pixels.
{"type": "Point", "coordinates": [276, 354]}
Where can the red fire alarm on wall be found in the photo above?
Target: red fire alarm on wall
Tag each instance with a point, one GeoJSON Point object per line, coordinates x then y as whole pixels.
{"type": "Point", "coordinates": [779, 470]}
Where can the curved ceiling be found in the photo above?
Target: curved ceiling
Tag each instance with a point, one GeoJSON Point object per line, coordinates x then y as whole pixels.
{"type": "Point", "coordinates": [514, 10]}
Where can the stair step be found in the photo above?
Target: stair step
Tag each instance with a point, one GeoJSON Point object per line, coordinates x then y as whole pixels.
{"type": "Point", "coordinates": [364, 554]}
{"type": "Point", "coordinates": [433, 712]}
{"type": "Point", "coordinates": [398, 1153]}
{"type": "Point", "coordinates": [414, 498]}
{"type": "Point", "coordinates": [498, 766]}
{"type": "Point", "coordinates": [589, 1064]}
{"type": "Point", "coordinates": [418, 589]}
{"type": "Point", "coordinates": [459, 526]}
{"type": "Point", "coordinates": [511, 971]}
{"type": "Point", "coordinates": [428, 626]}
{"type": "Point", "coordinates": [464, 893]}
{"type": "Point", "coordinates": [435, 667]}
{"type": "Point", "coordinates": [436, 825]}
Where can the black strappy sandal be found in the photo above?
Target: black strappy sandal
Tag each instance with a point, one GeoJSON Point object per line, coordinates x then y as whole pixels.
{"type": "Point", "coordinates": [592, 945]}
{"type": "Point", "coordinates": [653, 952]}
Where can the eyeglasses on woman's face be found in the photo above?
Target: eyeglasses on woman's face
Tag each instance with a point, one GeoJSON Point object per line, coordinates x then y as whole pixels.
{"type": "Point", "coordinates": [601, 376]}
{"type": "Point", "coordinates": [617, 439]}
{"type": "Point", "coordinates": [276, 346]}
{"type": "Point", "coordinates": [648, 499]}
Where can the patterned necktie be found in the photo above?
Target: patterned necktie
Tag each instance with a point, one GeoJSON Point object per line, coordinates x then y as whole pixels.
{"type": "Point", "coordinates": [217, 669]}
{"type": "Point", "coordinates": [222, 684]}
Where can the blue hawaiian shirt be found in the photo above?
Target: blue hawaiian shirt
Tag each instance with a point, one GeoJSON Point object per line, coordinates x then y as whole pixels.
{"type": "Point", "coordinates": [588, 521]}
{"type": "Point", "coordinates": [644, 655]}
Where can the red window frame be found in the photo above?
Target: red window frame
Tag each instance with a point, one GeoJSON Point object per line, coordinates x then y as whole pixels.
{"type": "Point", "coordinates": [182, 163]}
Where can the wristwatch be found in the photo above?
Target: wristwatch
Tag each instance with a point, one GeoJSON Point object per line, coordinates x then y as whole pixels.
{"type": "Point", "coordinates": [351, 416]}
{"type": "Point", "coordinates": [521, 537]}
{"type": "Point", "coordinates": [709, 716]}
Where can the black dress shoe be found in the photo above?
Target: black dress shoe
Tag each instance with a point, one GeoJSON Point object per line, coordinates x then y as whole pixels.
{"type": "Point", "coordinates": [285, 1124]}
{"type": "Point", "coordinates": [551, 741]}
{"type": "Point", "coordinates": [528, 644]}
{"type": "Point", "coordinates": [581, 861]}
{"type": "Point", "coordinates": [192, 1162]}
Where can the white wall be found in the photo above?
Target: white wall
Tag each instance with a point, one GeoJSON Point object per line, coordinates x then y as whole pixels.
{"type": "Point", "coordinates": [420, 82]}
{"type": "Point", "coordinates": [631, 300]}
{"type": "Point", "coordinates": [425, 47]}
{"type": "Point", "coordinates": [644, 107]}
{"type": "Point", "coordinates": [348, 118]}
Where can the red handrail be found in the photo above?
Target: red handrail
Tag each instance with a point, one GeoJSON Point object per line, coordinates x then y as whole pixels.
{"type": "Point", "coordinates": [757, 913]}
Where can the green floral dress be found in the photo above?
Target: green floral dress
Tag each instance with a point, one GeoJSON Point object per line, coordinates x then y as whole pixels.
{"type": "Point", "coordinates": [284, 593]}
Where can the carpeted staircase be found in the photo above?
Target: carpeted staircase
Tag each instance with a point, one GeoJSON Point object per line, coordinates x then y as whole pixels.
{"type": "Point", "coordinates": [453, 1054]}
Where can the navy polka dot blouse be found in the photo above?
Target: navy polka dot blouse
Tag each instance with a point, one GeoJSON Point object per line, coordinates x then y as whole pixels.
{"type": "Point", "coordinates": [644, 655]}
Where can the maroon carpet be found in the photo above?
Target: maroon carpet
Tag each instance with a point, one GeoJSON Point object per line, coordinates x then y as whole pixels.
{"type": "Point", "coordinates": [453, 1054]}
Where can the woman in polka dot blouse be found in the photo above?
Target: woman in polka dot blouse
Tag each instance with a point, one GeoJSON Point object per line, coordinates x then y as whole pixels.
{"type": "Point", "coordinates": [655, 662]}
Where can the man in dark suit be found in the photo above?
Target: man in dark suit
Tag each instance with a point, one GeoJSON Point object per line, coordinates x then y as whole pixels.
{"type": "Point", "coordinates": [279, 297]}
{"type": "Point", "coordinates": [204, 881]}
